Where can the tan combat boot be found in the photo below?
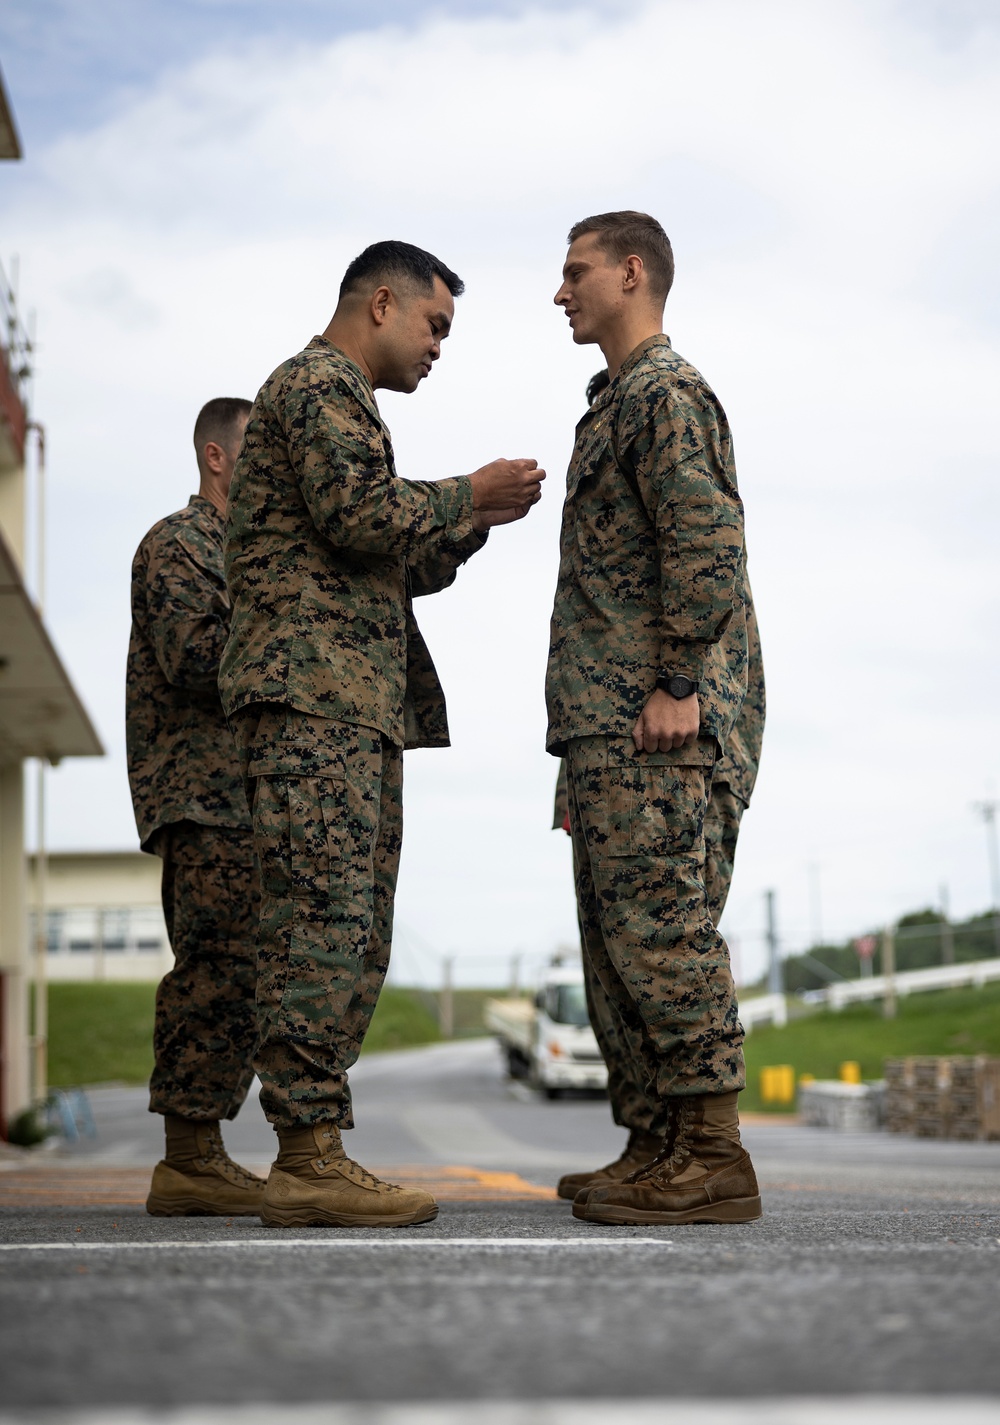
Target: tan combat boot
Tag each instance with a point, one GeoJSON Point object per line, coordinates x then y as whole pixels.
{"type": "Point", "coordinates": [702, 1174]}
{"type": "Point", "coordinates": [313, 1183]}
{"type": "Point", "coordinates": [640, 1149]}
{"type": "Point", "coordinates": [197, 1178]}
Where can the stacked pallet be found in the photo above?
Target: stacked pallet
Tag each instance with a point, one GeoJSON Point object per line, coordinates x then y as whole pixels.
{"type": "Point", "coordinates": [945, 1096]}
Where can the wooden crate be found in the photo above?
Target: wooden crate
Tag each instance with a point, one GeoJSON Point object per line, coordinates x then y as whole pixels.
{"type": "Point", "coordinates": [950, 1096]}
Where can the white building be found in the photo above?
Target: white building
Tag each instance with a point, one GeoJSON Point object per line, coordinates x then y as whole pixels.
{"type": "Point", "coordinates": [103, 917]}
{"type": "Point", "coordinates": [41, 715]}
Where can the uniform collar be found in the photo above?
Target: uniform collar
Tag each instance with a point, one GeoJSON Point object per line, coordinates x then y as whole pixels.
{"type": "Point", "coordinates": [205, 507]}
{"type": "Point", "coordinates": [355, 377]}
{"type": "Point", "coordinates": [605, 397]}
{"type": "Point", "coordinates": [638, 352]}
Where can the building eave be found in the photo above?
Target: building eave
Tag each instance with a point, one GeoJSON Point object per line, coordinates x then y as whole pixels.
{"type": "Point", "coordinates": [10, 142]}
{"type": "Point", "coordinates": [41, 714]}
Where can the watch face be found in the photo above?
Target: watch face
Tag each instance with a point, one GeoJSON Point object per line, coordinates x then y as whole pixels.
{"type": "Point", "coordinates": [680, 687]}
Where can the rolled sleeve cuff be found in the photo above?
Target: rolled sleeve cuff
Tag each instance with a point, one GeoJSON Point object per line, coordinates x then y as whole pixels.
{"type": "Point", "coordinates": [685, 658]}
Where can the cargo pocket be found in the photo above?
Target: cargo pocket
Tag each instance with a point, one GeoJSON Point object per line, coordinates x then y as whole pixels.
{"type": "Point", "coordinates": [298, 834]}
{"type": "Point", "coordinates": [315, 832]}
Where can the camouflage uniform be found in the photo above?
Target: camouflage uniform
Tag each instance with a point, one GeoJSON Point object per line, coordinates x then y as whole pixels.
{"type": "Point", "coordinates": [652, 578]}
{"type": "Point", "coordinates": [631, 1106]}
{"type": "Point", "coordinates": [191, 810]}
{"type": "Point", "coordinates": [325, 679]}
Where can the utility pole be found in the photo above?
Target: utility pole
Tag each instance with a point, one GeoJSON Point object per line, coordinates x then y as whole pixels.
{"type": "Point", "coordinates": [815, 904]}
{"type": "Point", "coordinates": [947, 930]}
{"type": "Point", "coordinates": [446, 1004]}
{"type": "Point", "coordinates": [775, 978]}
{"type": "Point", "coordinates": [889, 971]}
{"type": "Point", "coordinates": [988, 811]}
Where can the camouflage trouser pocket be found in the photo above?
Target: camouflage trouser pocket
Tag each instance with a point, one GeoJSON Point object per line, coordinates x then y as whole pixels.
{"type": "Point", "coordinates": [640, 803]}
{"type": "Point", "coordinates": [299, 829]}
{"type": "Point", "coordinates": [655, 810]}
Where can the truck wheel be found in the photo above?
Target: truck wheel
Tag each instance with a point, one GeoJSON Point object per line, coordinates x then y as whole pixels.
{"type": "Point", "coordinates": [551, 1093]}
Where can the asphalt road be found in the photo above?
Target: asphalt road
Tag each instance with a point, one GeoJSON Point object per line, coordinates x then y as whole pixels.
{"type": "Point", "coordinates": [869, 1292]}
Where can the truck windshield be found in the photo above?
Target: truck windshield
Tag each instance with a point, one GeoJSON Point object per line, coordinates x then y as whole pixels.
{"type": "Point", "coordinates": [568, 1004]}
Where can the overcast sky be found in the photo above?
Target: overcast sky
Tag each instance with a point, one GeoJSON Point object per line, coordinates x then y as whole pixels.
{"type": "Point", "coordinates": [198, 174]}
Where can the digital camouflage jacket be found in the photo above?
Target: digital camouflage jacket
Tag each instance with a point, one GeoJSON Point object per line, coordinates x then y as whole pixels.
{"type": "Point", "coordinates": [181, 759]}
{"type": "Point", "coordinates": [325, 548]}
{"type": "Point", "coordinates": [740, 760]}
{"type": "Point", "coordinates": [738, 766]}
{"type": "Point", "coordinates": [651, 572]}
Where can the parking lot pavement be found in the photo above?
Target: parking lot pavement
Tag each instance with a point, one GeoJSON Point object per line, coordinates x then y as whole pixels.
{"type": "Point", "coordinates": [869, 1289]}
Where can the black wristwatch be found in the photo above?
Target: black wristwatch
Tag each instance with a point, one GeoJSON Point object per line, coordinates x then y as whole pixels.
{"type": "Point", "coordinates": [677, 685]}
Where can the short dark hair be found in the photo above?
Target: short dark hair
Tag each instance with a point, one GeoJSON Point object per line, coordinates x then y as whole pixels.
{"type": "Point", "coordinates": [384, 261]}
{"type": "Point", "coordinates": [217, 420]}
{"type": "Point", "coordinates": [621, 234]}
{"type": "Point", "coordinates": [597, 383]}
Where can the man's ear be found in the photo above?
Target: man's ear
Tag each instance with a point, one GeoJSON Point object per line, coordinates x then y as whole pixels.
{"type": "Point", "coordinates": [382, 300]}
{"type": "Point", "coordinates": [213, 456]}
{"type": "Point", "coordinates": [633, 272]}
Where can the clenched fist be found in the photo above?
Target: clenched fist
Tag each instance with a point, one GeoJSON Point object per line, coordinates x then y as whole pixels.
{"type": "Point", "coordinates": [506, 485]}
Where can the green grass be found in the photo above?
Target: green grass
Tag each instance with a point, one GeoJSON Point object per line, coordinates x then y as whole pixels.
{"type": "Point", "coordinates": [950, 1022]}
{"type": "Point", "coordinates": [104, 1032]}
{"type": "Point", "coordinates": [100, 1032]}
{"type": "Point", "coordinates": [401, 1021]}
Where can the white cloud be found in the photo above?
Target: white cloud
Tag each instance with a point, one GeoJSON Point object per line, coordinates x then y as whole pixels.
{"type": "Point", "coordinates": [815, 166]}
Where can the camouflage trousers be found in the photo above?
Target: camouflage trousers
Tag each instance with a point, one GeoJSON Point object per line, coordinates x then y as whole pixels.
{"type": "Point", "coordinates": [631, 1105]}
{"type": "Point", "coordinates": [326, 802]}
{"type": "Point", "coordinates": [664, 1007]}
{"type": "Point", "coordinates": [206, 1025]}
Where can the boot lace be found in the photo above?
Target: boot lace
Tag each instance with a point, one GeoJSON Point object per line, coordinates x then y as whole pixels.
{"type": "Point", "coordinates": [216, 1156]}
{"type": "Point", "coordinates": [680, 1115]}
{"type": "Point", "coordinates": [354, 1171]}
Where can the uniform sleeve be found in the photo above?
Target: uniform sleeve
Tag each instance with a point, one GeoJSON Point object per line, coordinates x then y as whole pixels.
{"type": "Point", "coordinates": [679, 454]}
{"type": "Point", "coordinates": [185, 612]}
{"type": "Point", "coordinates": [355, 501]}
{"type": "Point", "coordinates": [560, 808]}
{"type": "Point", "coordinates": [433, 570]}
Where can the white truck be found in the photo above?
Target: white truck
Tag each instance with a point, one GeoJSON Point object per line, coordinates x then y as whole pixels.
{"type": "Point", "coordinates": [548, 1039]}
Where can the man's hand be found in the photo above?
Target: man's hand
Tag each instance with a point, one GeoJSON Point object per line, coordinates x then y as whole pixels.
{"type": "Point", "coordinates": [506, 485]}
{"type": "Point", "coordinates": [483, 520]}
{"type": "Point", "coordinates": [667, 722]}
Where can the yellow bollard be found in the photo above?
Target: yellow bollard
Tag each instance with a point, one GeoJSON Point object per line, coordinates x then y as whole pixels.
{"type": "Point", "coordinates": [777, 1083]}
{"type": "Point", "coordinates": [850, 1072]}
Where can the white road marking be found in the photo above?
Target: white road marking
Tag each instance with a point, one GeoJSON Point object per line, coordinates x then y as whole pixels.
{"type": "Point", "coordinates": [803, 1410]}
{"type": "Point", "coordinates": [427, 1243]}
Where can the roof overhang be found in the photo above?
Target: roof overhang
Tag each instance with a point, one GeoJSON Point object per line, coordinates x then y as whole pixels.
{"type": "Point", "coordinates": [40, 713]}
{"type": "Point", "coordinates": [10, 143]}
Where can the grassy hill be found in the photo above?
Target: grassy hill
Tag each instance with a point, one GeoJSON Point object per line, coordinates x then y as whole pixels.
{"type": "Point", "coordinates": [103, 1032]}
{"type": "Point", "coordinates": [963, 1021]}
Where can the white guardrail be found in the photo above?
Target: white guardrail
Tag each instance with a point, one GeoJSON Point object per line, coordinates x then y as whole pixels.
{"type": "Point", "coordinates": [905, 982]}
{"type": "Point", "coordinates": [763, 1009]}
{"type": "Point", "coordinates": [772, 1009]}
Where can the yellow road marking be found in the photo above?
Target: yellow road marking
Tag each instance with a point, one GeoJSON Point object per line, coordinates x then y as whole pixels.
{"type": "Point", "coordinates": [70, 1185]}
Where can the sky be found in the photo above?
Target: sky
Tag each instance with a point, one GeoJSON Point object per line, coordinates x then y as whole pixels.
{"type": "Point", "coordinates": [198, 174]}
